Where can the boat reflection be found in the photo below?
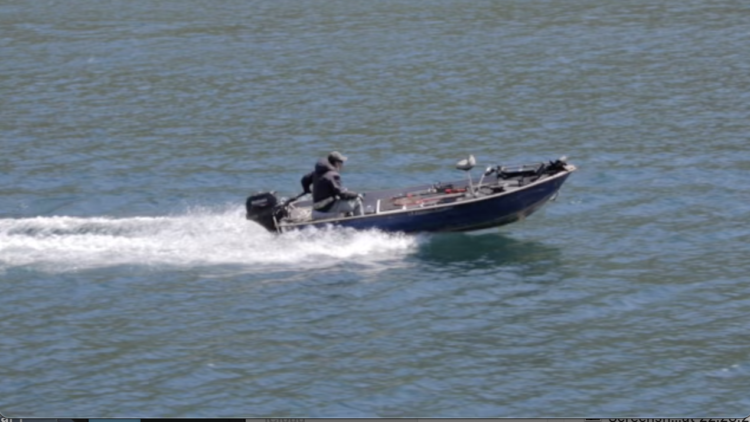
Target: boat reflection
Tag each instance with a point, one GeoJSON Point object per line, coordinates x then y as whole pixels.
{"type": "Point", "coordinates": [457, 252]}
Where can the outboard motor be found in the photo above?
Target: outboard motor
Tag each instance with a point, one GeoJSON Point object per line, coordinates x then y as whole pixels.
{"type": "Point", "coordinates": [262, 208]}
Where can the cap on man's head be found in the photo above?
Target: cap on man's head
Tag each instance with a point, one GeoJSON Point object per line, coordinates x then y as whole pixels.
{"type": "Point", "coordinates": [336, 156]}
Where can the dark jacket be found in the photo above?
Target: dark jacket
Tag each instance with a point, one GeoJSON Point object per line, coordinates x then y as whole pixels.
{"type": "Point", "coordinates": [326, 183]}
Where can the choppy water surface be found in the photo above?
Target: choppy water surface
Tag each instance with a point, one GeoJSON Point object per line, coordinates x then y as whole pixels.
{"type": "Point", "coordinates": [132, 132]}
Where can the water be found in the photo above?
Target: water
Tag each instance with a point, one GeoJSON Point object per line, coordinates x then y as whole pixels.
{"type": "Point", "coordinates": [131, 134]}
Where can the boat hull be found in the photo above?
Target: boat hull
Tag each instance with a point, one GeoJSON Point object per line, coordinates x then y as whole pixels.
{"type": "Point", "coordinates": [468, 215]}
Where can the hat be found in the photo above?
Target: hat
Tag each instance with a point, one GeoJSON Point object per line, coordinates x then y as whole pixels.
{"type": "Point", "coordinates": [336, 156]}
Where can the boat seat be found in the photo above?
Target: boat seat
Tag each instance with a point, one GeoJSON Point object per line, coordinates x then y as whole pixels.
{"type": "Point", "coordinates": [466, 164]}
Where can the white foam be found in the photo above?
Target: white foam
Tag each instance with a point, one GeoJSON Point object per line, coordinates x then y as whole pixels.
{"type": "Point", "coordinates": [198, 237]}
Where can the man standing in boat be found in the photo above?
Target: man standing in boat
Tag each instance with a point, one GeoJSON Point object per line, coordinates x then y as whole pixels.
{"type": "Point", "coordinates": [330, 198]}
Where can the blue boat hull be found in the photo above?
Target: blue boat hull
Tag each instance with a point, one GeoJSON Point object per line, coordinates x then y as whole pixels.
{"type": "Point", "coordinates": [469, 215]}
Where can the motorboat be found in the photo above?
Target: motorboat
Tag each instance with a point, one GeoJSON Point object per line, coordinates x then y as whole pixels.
{"type": "Point", "coordinates": [502, 195]}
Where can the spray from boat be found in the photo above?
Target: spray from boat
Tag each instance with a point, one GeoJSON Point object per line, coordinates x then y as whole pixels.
{"type": "Point", "coordinates": [198, 237]}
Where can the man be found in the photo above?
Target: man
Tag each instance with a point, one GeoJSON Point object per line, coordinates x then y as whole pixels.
{"type": "Point", "coordinates": [330, 199]}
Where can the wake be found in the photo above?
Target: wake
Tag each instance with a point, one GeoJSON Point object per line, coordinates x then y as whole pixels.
{"type": "Point", "coordinates": [196, 238]}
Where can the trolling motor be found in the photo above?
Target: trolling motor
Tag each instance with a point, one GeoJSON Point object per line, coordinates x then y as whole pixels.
{"type": "Point", "coordinates": [558, 165]}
